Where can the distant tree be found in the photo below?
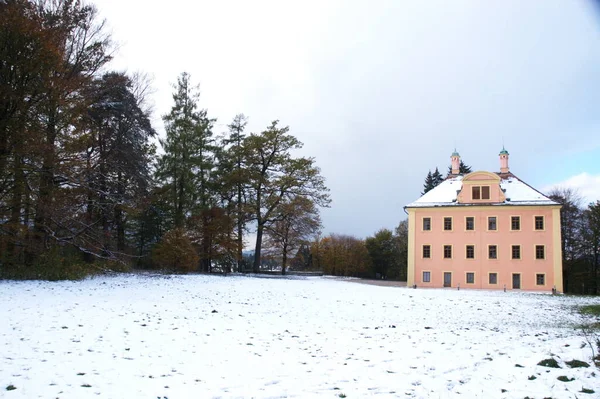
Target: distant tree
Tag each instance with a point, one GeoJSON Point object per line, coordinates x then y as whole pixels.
{"type": "Point", "coordinates": [211, 231]}
{"type": "Point", "coordinates": [298, 220]}
{"type": "Point", "coordinates": [341, 255]}
{"type": "Point", "coordinates": [570, 224]}
{"type": "Point", "coordinates": [274, 174]}
{"type": "Point", "coordinates": [400, 268]}
{"type": "Point", "coordinates": [428, 185]}
{"type": "Point", "coordinates": [463, 169]}
{"type": "Point", "coordinates": [432, 180]}
{"type": "Point", "coordinates": [591, 240]}
{"type": "Point", "coordinates": [383, 251]}
{"type": "Point", "coordinates": [234, 177]}
{"type": "Point", "coordinates": [175, 252]}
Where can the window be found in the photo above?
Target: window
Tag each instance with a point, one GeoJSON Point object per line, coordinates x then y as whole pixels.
{"type": "Point", "coordinates": [515, 223]}
{"type": "Point", "coordinates": [485, 192]}
{"type": "Point", "coordinates": [447, 251]}
{"type": "Point", "coordinates": [426, 224]}
{"type": "Point", "coordinates": [492, 223]}
{"type": "Point", "coordinates": [540, 279]}
{"type": "Point", "coordinates": [426, 277]}
{"type": "Point", "coordinates": [448, 223]}
{"type": "Point", "coordinates": [493, 252]}
{"type": "Point", "coordinates": [493, 278]}
{"type": "Point", "coordinates": [427, 251]}
{"type": "Point", "coordinates": [480, 192]}
{"type": "Point", "coordinates": [516, 252]}
{"type": "Point", "coordinates": [470, 251]}
{"type": "Point", "coordinates": [540, 252]}
{"type": "Point", "coordinates": [470, 278]}
{"type": "Point", "coordinates": [470, 222]}
{"type": "Point", "coordinates": [539, 223]}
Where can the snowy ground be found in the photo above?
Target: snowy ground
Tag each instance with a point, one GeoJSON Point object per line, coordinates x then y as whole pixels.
{"type": "Point", "coordinates": [212, 336]}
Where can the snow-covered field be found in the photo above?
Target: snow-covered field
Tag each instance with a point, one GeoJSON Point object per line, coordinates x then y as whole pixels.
{"type": "Point", "coordinates": [211, 336]}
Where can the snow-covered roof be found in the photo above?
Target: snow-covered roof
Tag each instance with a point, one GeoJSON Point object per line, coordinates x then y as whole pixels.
{"type": "Point", "coordinates": [516, 192]}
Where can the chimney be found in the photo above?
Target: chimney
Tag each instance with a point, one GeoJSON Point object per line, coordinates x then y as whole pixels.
{"type": "Point", "coordinates": [504, 161]}
{"type": "Point", "coordinates": [455, 158]}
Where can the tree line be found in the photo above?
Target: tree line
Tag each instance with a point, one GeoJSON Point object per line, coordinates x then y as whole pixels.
{"type": "Point", "coordinates": [580, 240]}
{"type": "Point", "coordinates": [83, 186]}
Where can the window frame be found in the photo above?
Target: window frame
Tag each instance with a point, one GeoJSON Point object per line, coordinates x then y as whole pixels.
{"type": "Point", "coordinates": [428, 276]}
{"type": "Point", "coordinates": [490, 278]}
{"type": "Point", "coordinates": [467, 223]}
{"type": "Point", "coordinates": [537, 276]}
{"type": "Point", "coordinates": [478, 191]}
{"type": "Point", "coordinates": [451, 251]}
{"type": "Point", "coordinates": [423, 251]}
{"type": "Point", "coordinates": [512, 252]}
{"type": "Point", "coordinates": [536, 247]}
{"type": "Point", "coordinates": [535, 224]}
{"type": "Point", "coordinates": [518, 218]}
{"type": "Point", "coordinates": [489, 193]}
{"type": "Point", "coordinates": [428, 218]}
{"type": "Point", "coordinates": [495, 246]}
{"type": "Point", "coordinates": [495, 222]}
{"type": "Point", "coordinates": [467, 277]}
{"type": "Point", "coordinates": [446, 218]}
{"type": "Point", "coordinates": [467, 247]}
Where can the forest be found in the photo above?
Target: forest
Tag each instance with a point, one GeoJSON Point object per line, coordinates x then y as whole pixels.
{"type": "Point", "coordinates": [87, 185]}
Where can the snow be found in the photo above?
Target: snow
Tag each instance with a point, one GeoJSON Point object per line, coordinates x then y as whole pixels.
{"type": "Point", "coordinates": [239, 337]}
{"type": "Point", "coordinates": [516, 192]}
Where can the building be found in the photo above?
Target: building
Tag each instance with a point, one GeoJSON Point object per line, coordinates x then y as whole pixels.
{"type": "Point", "coordinates": [484, 230]}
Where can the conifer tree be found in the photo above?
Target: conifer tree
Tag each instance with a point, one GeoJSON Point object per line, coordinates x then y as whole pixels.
{"type": "Point", "coordinates": [428, 185]}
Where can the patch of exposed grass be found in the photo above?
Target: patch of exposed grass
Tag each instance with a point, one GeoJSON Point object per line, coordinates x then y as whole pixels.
{"type": "Point", "coordinates": [532, 377]}
{"type": "Point", "coordinates": [577, 364]}
{"type": "Point", "coordinates": [549, 363]}
{"type": "Point", "coordinates": [585, 390]}
{"type": "Point", "coordinates": [564, 378]}
{"type": "Point", "coordinates": [11, 387]}
{"type": "Point", "coordinates": [593, 310]}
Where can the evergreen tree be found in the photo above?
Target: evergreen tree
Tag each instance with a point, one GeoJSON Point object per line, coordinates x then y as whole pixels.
{"type": "Point", "coordinates": [185, 167]}
{"type": "Point", "coordinates": [437, 178]}
{"type": "Point", "coordinates": [463, 168]}
{"type": "Point", "coordinates": [428, 185]}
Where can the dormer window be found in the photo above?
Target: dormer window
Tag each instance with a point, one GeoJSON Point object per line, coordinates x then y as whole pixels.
{"type": "Point", "coordinates": [480, 192]}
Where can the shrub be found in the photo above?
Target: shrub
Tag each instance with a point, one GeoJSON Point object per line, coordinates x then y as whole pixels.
{"type": "Point", "coordinates": [577, 363]}
{"type": "Point", "coordinates": [175, 252]}
{"type": "Point", "coordinates": [549, 363]}
{"type": "Point", "coordinates": [53, 265]}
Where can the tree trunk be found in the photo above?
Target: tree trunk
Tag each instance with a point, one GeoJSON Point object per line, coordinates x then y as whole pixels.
{"type": "Point", "coordinates": [46, 188]}
{"type": "Point", "coordinates": [258, 247]}
{"type": "Point", "coordinates": [284, 259]}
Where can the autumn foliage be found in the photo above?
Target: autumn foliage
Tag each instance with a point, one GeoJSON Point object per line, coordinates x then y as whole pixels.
{"type": "Point", "coordinates": [175, 252]}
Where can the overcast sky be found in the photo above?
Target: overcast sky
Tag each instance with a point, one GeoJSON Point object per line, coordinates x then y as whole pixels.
{"type": "Point", "coordinates": [381, 91]}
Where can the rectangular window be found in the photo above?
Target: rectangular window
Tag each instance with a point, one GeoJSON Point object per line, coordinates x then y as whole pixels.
{"type": "Point", "coordinates": [493, 252]}
{"type": "Point", "coordinates": [540, 279]}
{"type": "Point", "coordinates": [448, 223]}
{"type": "Point", "coordinates": [540, 252]}
{"type": "Point", "coordinates": [470, 278]}
{"type": "Point", "coordinates": [476, 192]}
{"type": "Point", "coordinates": [539, 223]}
{"type": "Point", "coordinates": [426, 277]}
{"type": "Point", "coordinates": [470, 251]}
{"type": "Point", "coordinates": [485, 192]}
{"type": "Point", "coordinates": [493, 278]}
{"type": "Point", "coordinates": [515, 223]}
{"type": "Point", "coordinates": [427, 251]}
{"type": "Point", "coordinates": [516, 252]}
{"type": "Point", "coordinates": [426, 224]}
{"type": "Point", "coordinates": [492, 223]}
{"type": "Point", "coordinates": [447, 251]}
{"type": "Point", "coordinates": [470, 222]}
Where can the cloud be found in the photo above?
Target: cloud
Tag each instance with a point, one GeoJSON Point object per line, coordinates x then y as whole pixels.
{"type": "Point", "coordinates": [587, 185]}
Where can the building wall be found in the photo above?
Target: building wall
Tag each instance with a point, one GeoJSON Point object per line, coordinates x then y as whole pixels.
{"type": "Point", "coordinates": [503, 237]}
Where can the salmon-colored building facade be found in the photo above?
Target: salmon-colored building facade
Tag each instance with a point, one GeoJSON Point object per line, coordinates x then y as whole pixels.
{"type": "Point", "coordinates": [484, 230]}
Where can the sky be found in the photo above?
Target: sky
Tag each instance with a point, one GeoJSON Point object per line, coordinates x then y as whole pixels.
{"type": "Point", "coordinates": [382, 91]}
